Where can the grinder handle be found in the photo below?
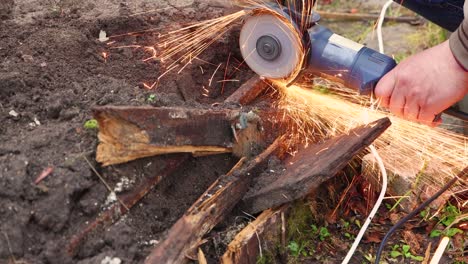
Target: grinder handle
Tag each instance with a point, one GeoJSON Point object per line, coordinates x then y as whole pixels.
{"type": "Point", "coordinates": [368, 69]}
{"type": "Point", "coordinates": [337, 58]}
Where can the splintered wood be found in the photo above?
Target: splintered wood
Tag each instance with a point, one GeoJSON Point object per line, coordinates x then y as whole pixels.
{"type": "Point", "coordinates": [266, 232]}
{"type": "Point", "coordinates": [128, 125]}
{"type": "Point", "coordinates": [129, 133]}
{"type": "Point", "coordinates": [209, 210]}
{"type": "Point", "coordinates": [249, 91]}
{"type": "Point", "coordinates": [312, 166]}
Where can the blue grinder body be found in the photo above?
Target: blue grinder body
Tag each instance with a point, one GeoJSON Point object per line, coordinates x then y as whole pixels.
{"type": "Point", "coordinates": [336, 58]}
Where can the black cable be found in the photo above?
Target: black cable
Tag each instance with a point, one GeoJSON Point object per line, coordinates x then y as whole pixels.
{"type": "Point", "coordinates": [416, 211]}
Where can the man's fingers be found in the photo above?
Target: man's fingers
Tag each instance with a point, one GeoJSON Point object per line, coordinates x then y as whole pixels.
{"type": "Point", "coordinates": [385, 88]}
{"type": "Point", "coordinates": [411, 111]}
{"type": "Point", "coordinates": [397, 103]}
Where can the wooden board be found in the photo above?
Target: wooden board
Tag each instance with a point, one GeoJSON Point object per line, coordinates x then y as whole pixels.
{"type": "Point", "coordinates": [312, 166]}
{"type": "Point", "coordinates": [266, 232]}
{"type": "Point", "coordinates": [209, 210]}
{"type": "Point", "coordinates": [129, 133]}
{"type": "Point", "coordinates": [249, 91]}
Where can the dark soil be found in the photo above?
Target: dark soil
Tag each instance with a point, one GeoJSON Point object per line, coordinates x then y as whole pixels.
{"type": "Point", "coordinates": [52, 73]}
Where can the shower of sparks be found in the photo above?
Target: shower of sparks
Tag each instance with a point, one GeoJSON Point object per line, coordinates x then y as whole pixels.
{"type": "Point", "coordinates": [305, 8]}
{"type": "Point", "coordinates": [314, 115]}
{"type": "Point", "coordinates": [318, 115]}
{"type": "Point", "coordinates": [177, 49]}
{"type": "Point", "coordinates": [180, 47]}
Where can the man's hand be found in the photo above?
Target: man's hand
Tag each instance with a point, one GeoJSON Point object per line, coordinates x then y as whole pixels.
{"type": "Point", "coordinates": [424, 85]}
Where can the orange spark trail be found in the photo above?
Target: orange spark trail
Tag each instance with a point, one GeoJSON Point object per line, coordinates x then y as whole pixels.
{"type": "Point", "coordinates": [318, 115]}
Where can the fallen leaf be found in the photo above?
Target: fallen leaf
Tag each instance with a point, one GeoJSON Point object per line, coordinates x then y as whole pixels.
{"type": "Point", "coordinates": [413, 241]}
{"type": "Point", "coordinates": [373, 237]}
{"type": "Point", "coordinates": [46, 172]}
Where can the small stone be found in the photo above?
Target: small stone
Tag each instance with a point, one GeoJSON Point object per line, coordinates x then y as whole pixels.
{"type": "Point", "coordinates": [36, 121]}
{"type": "Point", "coordinates": [13, 113]}
{"type": "Point", "coordinates": [109, 260]}
{"type": "Point", "coordinates": [28, 58]}
{"type": "Point", "coordinates": [103, 36]}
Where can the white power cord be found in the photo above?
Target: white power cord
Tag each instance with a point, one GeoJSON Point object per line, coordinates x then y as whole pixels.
{"type": "Point", "coordinates": [380, 25]}
{"type": "Point", "coordinates": [376, 155]}
{"type": "Point", "coordinates": [374, 210]}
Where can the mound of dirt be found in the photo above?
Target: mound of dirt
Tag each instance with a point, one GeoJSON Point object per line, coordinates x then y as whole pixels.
{"type": "Point", "coordinates": [52, 72]}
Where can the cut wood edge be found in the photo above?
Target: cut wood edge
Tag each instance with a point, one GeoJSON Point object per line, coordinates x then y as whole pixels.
{"type": "Point", "coordinates": [108, 154]}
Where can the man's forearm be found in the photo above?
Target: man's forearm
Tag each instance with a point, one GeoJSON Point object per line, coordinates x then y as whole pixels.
{"type": "Point", "coordinates": [459, 41]}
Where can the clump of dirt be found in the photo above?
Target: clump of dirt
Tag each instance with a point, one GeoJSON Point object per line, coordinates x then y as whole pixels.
{"type": "Point", "coordinates": [52, 72]}
{"type": "Point", "coordinates": [6, 9]}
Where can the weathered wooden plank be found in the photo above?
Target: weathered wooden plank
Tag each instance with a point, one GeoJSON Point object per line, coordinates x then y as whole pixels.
{"type": "Point", "coordinates": [129, 133]}
{"type": "Point", "coordinates": [265, 232]}
{"type": "Point", "coordinates": [209, 210]}
{"type": "Point", "coordinates": [310, 167]}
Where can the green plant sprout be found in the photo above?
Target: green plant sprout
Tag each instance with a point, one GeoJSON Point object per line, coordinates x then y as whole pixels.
{"type": "Point", "coordinates": [404, 251]}
{"type": "Point", "coordinates": [91, 124]}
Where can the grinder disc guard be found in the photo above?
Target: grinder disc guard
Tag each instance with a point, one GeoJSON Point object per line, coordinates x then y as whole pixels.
{"type": "Point", "coordinates": [271, 46]}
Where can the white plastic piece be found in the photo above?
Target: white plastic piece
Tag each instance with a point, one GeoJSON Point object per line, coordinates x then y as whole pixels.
{"type": "Point", "coordinates": [440, 250]}
{"type": "Point", "coordinates": [103, 36]}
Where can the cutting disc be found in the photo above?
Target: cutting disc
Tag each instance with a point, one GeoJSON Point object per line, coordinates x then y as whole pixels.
{"type": "Point", "coordinates": [271, 46]}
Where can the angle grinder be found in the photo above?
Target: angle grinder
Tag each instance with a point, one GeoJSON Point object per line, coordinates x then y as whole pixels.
{"type": "Point", "coordinates": [282, 43]}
